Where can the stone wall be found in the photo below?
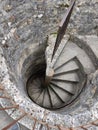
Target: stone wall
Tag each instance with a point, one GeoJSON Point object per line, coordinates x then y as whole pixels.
{"type": "Point", "coordinates": [22, 21]}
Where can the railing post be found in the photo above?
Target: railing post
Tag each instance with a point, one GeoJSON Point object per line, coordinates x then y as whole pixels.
{"type": "Point", "coordinates": [4, 97]}
{"type": "Point", "coordinates": [11, 107]}
{"type": "Point", "coordinates": [34, 124]}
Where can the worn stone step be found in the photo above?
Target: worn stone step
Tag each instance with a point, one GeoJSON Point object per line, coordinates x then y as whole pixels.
{"type": "Point", "coordinates": [34, 96]}
{"type": "Point", "coordinates": [71, 77]}
{"type": "Point", "coordinates": [65, 86]}
{"type": "Point", "coordinates": [54, 100]}
{"type": "Point", "coordinates": [40, 98]}
{"type": "Point", "coordinates": [84, 59]}
{"type": "Point", "coordinates": [67, 55]}
{"type": "Point", "coordinates": [50, 98]}
{"type": "Point", "coordinates": [72, 50]}
{"type": "Point", "coordinates": [59, 97]}
{"type": "Point", "coordinates": [64, 96]}
{"type": "Point", "coordinates": [34, 82]}
{"type": "Point", "coordinates": [69, 66]}
{"type": "Point", "coordinates": [33, 91]}
{"type": "Point", "coordinates": [46, 101]}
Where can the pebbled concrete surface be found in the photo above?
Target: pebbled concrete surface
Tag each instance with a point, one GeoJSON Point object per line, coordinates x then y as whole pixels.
{"type": "Point", "coordinates": [25, 22]}
{"type": "Point", "coordinates": [5, 119]}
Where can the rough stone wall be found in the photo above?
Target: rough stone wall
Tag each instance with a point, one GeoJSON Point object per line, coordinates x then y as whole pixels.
{"type": "Point", "coordinates": [23, 21]}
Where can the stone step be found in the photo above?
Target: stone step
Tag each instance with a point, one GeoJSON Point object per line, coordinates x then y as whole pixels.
{"type": "Point", "coordinates": [83, 58]}
{"type": "Point", "coordinates": [50, 98]}
{"type": "Point", "coordinates": [34, 82]}
{"type": "Point", "coordinates": [34, 96]}
{"type": "Point", "coordinates": [46, 101]}
{"type": "Point", "coordinates": [32, 91]}
{"type": "Point", "coordinates": [71, 77]}
{"type": "Point", "coordinates": [67, 55]}
{"type": "Point", "coordinates": [72, 50]}
{"type": "Point", "coordinates": [64, 96]}
{"type": "Point", "coordinates": [54, 99]}
{"type": "Point", "coordinates": [69, 66]}
{"type": "Point", "coordinates": [65, 86]}
{"type": "Point", "coordinates": [40, 98]}
{"type": "Point", "coordinates": [56, 91]}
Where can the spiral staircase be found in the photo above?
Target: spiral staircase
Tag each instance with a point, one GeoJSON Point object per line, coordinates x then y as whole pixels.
{"type": "Point", "coordinates": [70, 71]}
{"type": "Point", "coordinates": [71, 65]}
{"type": "Point", "coordinates": [54, 77]}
